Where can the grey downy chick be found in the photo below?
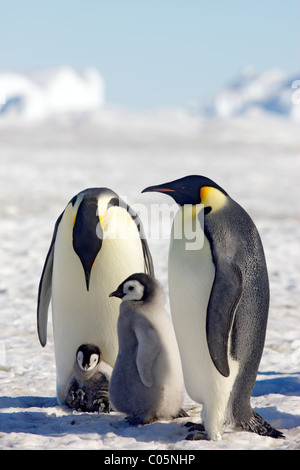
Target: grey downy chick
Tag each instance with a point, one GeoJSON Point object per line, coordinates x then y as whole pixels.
{"type": "Point", "coordinates": [147, 381]}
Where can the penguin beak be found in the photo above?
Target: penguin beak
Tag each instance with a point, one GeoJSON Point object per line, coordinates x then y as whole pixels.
{"type": "Point", "coordinates": [160, 189]}
{"type": "Point", "coordinates": [182, 191]}
{"type": "Point", "coordinates": [167, 188]}
{"type": "Point", "coordinates": [117, 293]}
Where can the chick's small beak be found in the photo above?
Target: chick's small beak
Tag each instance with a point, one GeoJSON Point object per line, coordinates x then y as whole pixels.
{"type": "Point", "coordinates": [117, 293]}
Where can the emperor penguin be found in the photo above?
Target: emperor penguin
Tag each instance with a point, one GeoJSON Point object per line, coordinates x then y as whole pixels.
{"type": "Point", "coordinates": [88, 387]}
{"type": "Point", "coordinates": [219, 299]}
{"type": "Point", "coordinates": [98, 241]}
{"type": "Point", "coordinates": [147, 381]}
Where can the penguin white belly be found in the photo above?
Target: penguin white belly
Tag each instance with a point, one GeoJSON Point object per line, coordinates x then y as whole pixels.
{"type": "Point", "coordinates": [81, 316]}
{"type": "Point", "coordinates": [191, 276]}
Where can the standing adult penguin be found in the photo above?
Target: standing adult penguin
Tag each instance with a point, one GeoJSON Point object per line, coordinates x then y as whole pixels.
{"type": "Point", "coordinates": [98, 240]}
{"type": "Point", "coordinates": [147, 381]}
{"type": "Point", "coordinates": [219, 296]}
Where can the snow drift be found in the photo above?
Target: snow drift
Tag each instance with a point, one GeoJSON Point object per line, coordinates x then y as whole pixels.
{"type": "Point", "coordinates": [50, 93]}
{"type": "Point", "coordinates": [270, 91]}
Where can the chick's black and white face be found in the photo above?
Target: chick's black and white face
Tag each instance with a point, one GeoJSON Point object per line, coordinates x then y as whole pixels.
{"type": "Point", "coordinates": [133, 290]}
{"type": "Point", "coordinates": [87, 362]}
{"type": "Point", "coordinates": [139, 286]}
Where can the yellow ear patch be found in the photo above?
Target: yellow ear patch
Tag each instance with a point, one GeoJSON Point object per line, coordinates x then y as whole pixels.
{"type": "Point", "coordinates": [204, 193]}
{"type": "Point", "coordinates": [212, 197]}
{"type": "Point", "coordinates": [101, 217]}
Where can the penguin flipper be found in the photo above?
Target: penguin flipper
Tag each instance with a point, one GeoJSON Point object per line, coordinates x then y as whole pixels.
{"type": "Point", "coordinates": [149, 266]}
{"type": "Point", "coordinates": [224, 298]}
{"type": "Point", "coordinates": [148, 348]}
{"type": "Point", "coordinates": [45, 290]}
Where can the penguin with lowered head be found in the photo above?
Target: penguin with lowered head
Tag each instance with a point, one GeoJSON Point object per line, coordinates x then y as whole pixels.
{"type": "Point", "coordinates": [219, 298]}
{"type": "Point", "coordinates": [97, 242]}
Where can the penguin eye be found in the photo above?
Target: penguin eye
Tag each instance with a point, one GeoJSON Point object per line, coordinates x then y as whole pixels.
{"type": "Point", "coordinates": [130, 288]}
{"type": "Point", "coordinates": [93, 359]}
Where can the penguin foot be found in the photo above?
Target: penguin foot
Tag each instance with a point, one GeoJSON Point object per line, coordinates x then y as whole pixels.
{"type": "Point", "coordinates": [134, 421]}
{"type": "Point", "coordinates": [101, 405]}
{"type": "Point", "coordinates": [194, 426]}
{"type": "Point", "coordinates": [81, 397]}
{"type": "Point", "coordinates": [76, 399]}
{"type": "Point", "coordinates": [198, 435]}
{"type": "Point", "coordinates": [181, 414]}
{"type": "Point", "coordinates": [258, 425]}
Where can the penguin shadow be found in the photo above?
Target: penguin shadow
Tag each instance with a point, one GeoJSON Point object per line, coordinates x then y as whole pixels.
{"type": "Point", "coordinates": [279, 419]}
{"type": "Point", "coordinates": [288, 385]}
{"type": "Point", "coordinates": [41, 416]}
{"type": "Point", "coordinates": [284, 384]}
{"type": "Point", "coordinates": [168, 432]}
{"type": "Point", "coordinates": [27, 402]}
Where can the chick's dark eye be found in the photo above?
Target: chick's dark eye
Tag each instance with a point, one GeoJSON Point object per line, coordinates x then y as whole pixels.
{"type": "Point", "coordinates": [130, 288]}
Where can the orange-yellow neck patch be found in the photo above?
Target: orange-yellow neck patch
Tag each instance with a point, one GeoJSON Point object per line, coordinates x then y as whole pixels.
{"type": "Point", "coordinates": [212, 197]}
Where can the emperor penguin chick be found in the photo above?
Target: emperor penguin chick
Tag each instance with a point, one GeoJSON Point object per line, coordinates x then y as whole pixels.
{"type": "Point", "coordinates": [147, 380]}
{"type": "Point", "coordinates": [88, 387]}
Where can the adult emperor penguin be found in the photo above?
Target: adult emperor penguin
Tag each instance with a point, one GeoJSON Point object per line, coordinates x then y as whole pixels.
{"type": "Point", "coordinates": [147, 381]}
{"type": "Point", "coordinates": [98, 241]}
{"type": "Point", "coordinates": [219, 297]}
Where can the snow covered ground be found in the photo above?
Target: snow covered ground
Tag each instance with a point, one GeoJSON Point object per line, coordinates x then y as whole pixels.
{"type": "Point", "coordinates": [255, 158]}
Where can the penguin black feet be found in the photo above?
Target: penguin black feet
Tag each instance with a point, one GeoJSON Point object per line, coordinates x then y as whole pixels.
{"type": "Point", "coordinates": [181, 414]}
{"type": "Point", "coordinates": [76, 399]}
{"type": "Point", "coordinates": [255, 424]}
{"type": "Point", "coordinates": [101, 406]}
{"type": "Point", "coordinates": [258, 425]}
{"type": "Point", "coordinates": [195, 436]}
{"type": "Point", "coordinates": [134, 421]}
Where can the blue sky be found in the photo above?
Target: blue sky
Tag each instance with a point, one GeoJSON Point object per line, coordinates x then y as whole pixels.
{"type": "Point", "coordinates": [152, 52]}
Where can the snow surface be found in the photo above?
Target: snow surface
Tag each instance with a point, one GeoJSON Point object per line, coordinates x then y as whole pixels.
{"type": "Point", "coordinates": [255, 158]}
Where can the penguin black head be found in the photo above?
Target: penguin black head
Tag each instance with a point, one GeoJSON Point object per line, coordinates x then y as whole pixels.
{"type": "Point", "coordinates": [187, 190]}
{"type": "Point", "coordinates": [88, 356]}
{"type": "Point", "coordinates": [137, 287]}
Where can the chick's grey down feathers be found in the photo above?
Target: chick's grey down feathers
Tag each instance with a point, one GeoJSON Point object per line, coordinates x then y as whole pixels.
{"type": "Point", "coordinates": [88, 389]}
